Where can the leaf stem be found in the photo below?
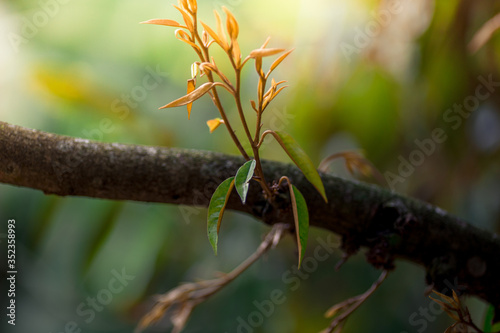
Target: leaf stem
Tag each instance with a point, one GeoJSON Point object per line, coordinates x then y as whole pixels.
{"type": "Point", "coordinates": [253, 142]}
{"type": "Point", "coordinates": [237, 97]}
{"type": "Point", "coordinates": [205, 57]}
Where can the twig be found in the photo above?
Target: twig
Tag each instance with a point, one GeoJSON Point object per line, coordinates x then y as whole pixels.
{"type": "Point", "coordinates": [187, 296]}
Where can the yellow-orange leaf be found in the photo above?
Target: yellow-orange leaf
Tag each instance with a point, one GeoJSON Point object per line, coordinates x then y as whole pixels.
{"type": "Point", "coordinates": [193, 96]}
{"type": "Point", "coordinates": [194, 70]}
{"type": "Point", "coordinates": [193, 5]}
{"type": "Point", "coordinates": [214, 123]}
{"type": "Point", "coordinates": [187, 18]}
{"type": "Point", "coordinates": [191, 86]}
{"type": "Point", "coordinates": [183, 36]}
{"type": "Point", "coordinates": [260, 53]}
{"type": "Point", "coordinates": [169, 23]}
{"type": "Point", "coordinates": [236, 53]}
{"type": "Point", "coordinates": [232, 25]}
{"type": "Point", "coordinates": [266, 42]}
{"type": "Point", "coordinates": [278, 61]}
{"type": "Point", "coordinates": [220, 31]}
{"type": "Point", "coordinates": [254, 106]}
{"type": "Point", "coordinates": [204, 38]}
{"type": "Point", "coordinates": [213, 34]}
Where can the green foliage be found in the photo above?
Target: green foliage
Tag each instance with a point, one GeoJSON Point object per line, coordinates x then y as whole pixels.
{"type": "Point", "coordinates": [488, 326]}
{"type": "Point", "coordinates": [216, 210]}
{"type": "Point", "coordinates": [242, 179]}
{"type": "Point", "coordinates": [300, 158]}
{"type": "Point", "coordinates": [301, 217]}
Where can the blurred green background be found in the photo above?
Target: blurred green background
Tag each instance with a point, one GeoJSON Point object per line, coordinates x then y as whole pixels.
{"type": "Point", "coordinates": [363, 76]}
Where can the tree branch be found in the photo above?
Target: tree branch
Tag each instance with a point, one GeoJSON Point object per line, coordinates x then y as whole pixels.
{"type": "Point", "coordinates": [390, 225]}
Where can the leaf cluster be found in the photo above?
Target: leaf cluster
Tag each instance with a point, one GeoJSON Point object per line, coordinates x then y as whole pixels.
{"type": "Point", "coordinates": [227, 39]}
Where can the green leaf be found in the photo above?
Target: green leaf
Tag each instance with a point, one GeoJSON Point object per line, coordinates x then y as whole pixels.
{"type": "Point", "coordinates": [301, 218]}
{"type": "Point", "coordinates": [300, 158]}
{"type": "Point", "coordinates": [242, 179]}
{"type": "Point", "coordinates": [216, 210]}
{"type": "Point", "coordinates": [488, 320]}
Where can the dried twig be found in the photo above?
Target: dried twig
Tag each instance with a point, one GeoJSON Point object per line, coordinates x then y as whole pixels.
{"type": "Point", "coordinates": [345, 309]}
{"type": "Point", "coordinates": [187, 296]}
{"type": "Point", "coordinates": [458, 312]}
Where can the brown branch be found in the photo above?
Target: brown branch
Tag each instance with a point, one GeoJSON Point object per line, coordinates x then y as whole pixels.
{"type": "Point", "coordinates": [391, 226]}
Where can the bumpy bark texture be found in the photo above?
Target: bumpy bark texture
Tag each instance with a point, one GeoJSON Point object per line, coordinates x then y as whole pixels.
{"type": "Point", "coordinates": [390, 225]}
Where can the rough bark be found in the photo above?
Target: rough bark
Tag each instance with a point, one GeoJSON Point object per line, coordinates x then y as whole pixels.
{"type": "Point", "coordinates": [390, 225]}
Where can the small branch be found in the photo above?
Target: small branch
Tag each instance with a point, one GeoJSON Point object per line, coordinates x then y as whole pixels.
{"type": "Point", "coordinates": [346, 308]}
{"type": "Point", "coordinates": [187, 296]}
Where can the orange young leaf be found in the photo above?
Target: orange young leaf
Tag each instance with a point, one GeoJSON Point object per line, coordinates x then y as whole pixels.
{"type": "Point", "coordinates": [268, 99]}
{"type": "Point", "coordinates": [168, 23]}
{"type": "Point", "coordinates": [236, 53]}
{"type": "Point", "coordinates": [278, 61]}
{"type": "Point", "coordinates": [208, 67]}
{"type": "Point", "coordinates": [213, 34]}
{"type": "Point", "coordinates": [214, 123]}
{"type": "Point", "coordinates": [260, 53]}
{"type": "Point", "coordinates": [205, 38]}
{"type": "Point", "coordinates": [187, 18]}
{"type": "Point", "coordinates": [266, 42]}
{"type": "Point", "coordinates": [220, 31]}
{"type": "Point", "coordinates": [258, 68]}
{"type": "Point", "coordinates": [232, 25]}
{"type": "Point", "coordinates": [183, 36]}
{"type": "Point", "coordinates": [193, 96]}
{"type": "Point", "coordinates": [254, 106]}
{"type": "Point", "coordinates": [194, 70]}
{"type": "Point", "coordinates": [193, 5]}
{"type": "Point", "coordinates": [191, 86]}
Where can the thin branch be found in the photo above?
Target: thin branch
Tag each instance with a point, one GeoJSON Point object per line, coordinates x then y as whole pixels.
{"type": "Point", "coordinates": [345, 309]}
{"type": "Point", "coordinates": [189, 295]}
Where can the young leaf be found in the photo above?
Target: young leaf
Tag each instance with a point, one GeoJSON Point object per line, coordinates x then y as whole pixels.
{"type": "Point", "coordinates": [300, 158]}
{"type": "Point", "coordinates": [191, 86]}
{"type": "Point", "coordinates": [193, 6]}
{"type": "Point", "coordinates": [278, 61]}
{"type": "Point", "coordinates": [260, 53]}
{"type": "Point", "coordinates": [168, 23]}
{"type": "Point", "coordinates": [214, 123]}
{"type": "Point", "coordinates": [242, 179]}
{"type": "Point", "coordinates": [301, 217]}
{"type": "Point", "coordinates": [191, 97]}
{"type": "Point", "coordinates": [220, 31]}
{"type": "Point", "coordinates": [187, 17]}
{"type": "Point", "coordinates": [213, 34]}
{"type": "Point", "coordinates": [231, 24]}
{"type": "Point", "coordinates": [216, 210]}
